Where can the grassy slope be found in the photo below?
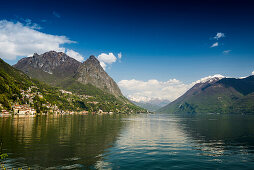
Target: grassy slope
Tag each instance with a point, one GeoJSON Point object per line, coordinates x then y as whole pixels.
{"type": "Point", "coordinates": [12, 81]}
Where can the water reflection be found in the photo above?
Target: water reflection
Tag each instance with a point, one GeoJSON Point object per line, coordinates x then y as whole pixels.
{"type": "Point", "coordinates": [130, 142]}
{"type": "Point", "coordinates": [183, 142]}
{"type": "Point", "coordinates": [58, 142]}
{"type": "Point", "coordinates": [218, 135]}
{"type": "Point", "coordinates": [147, 141]}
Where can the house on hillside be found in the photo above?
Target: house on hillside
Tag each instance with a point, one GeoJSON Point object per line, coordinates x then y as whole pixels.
{"type": "Point", "coordinates": [23, 110]}
{"type": "Point", "coordinates": [5, 112]}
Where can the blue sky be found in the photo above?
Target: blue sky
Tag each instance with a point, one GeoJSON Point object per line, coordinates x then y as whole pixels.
{"type": "Point", "coordinates": [159, 40]}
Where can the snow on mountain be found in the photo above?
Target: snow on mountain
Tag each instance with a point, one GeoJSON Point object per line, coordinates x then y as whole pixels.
{"type": "Point", "coordinates": [210, 79]}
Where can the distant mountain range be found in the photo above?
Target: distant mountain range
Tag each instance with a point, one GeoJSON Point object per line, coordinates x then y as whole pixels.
{"type": "Point", "coordinates": [216, 95]}
{"type": "Point", "coordinates": [151, 105]}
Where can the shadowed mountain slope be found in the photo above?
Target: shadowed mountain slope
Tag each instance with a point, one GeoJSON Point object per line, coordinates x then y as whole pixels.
{"type": "Point", "coordinates": [227, 95]}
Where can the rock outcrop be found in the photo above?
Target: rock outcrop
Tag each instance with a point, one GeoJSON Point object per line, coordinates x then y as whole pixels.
{"type": "Point", "coordinates": [91, 72]}
{"type": "Point", "coordinates": [57, 63]}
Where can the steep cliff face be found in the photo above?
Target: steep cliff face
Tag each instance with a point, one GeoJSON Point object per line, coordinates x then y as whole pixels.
{"type": "Point", "coordinates": [54, 63]}
{"type": "Point", "coordinates": [91, 72]}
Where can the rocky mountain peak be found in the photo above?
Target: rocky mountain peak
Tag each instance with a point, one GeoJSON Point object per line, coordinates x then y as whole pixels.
{"type": "Point", "coordinates": [51, 62]}
{"type": "Point", "coordinates": [91, 72]}
{"type": "Point", "coordinates": [92, 57]}
{"type": "Point", "coordinates": [54, 67]}
{"type": "Point", "coordinates": [36, 55]}
{"type": "Point", "coordinates": [92, 60]}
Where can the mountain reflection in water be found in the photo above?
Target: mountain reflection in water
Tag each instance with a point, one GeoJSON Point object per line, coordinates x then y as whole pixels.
{"type": "Point", "coordinates": [71, 141]}
{"type": "Point", "coordinates": [221, 134]}
{"type": "Point", "coordinates": [166, 141]}
{"type": "Point", "coordinates": [148, 141]}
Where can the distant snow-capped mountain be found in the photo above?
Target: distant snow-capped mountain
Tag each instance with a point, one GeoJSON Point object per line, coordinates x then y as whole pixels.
{"type": "Point", "coordinates": [148, 103]}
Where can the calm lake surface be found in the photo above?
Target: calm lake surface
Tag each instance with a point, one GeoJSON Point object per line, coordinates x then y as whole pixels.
{"type": "Point", "coordinates": [154, 141]}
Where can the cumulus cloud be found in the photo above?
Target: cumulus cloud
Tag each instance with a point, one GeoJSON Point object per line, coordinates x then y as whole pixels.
{"type": "Point", "coordinates": [106, 59]}
{"type": "Point", "coordinates": [226, 51]}
{"type": "Point", "coordinates": [103, 65]}
{"type": "Point", "coordinates": [17, 39]}
{"type": "Point", "coordinates": [138, 90]}
{"type": "Point", "coordinates": [215, 44]}
{"type": "Point", "coordinates": [219, 35]}
{"type": "Point", "coordinates": [252, 73]}
{"type": "Point", "coordinates": [145, 91]}
{"type": "Point", "coordinates": [74, 55]}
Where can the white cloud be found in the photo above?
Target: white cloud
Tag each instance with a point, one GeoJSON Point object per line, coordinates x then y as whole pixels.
{"type": "Point", "coordinates": [106, 59]}
{"type": "Point", "coordinates": [138, 90]}
{"type": "Point", "coordinates": [145, 91]}
{"type": "Point", "coordinates": [215, 45]}
{"type": "Point", "coordinates": [119, 55]}
{"type": "Point", "coordinates": [219, 35]}
{"type": "Point", "coordinates": [210, 78]}
{"type": "Point", "coordinates": [252, 73]}
{"type": "Point", "coordinates": [75, 55]}
{"type": "Point", "coordinates": [227, 51]}
{"type": "Point", "coordinates": [103, 65]}
{"type": "Point", "coordinates": [17, 39]}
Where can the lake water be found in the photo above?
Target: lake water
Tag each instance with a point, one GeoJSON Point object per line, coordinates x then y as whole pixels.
{"type": "Point", "coordinates": [154, 141]}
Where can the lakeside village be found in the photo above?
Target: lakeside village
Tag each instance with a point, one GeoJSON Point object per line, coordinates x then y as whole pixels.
{"type": "Point", "coordinates": [28, 110]}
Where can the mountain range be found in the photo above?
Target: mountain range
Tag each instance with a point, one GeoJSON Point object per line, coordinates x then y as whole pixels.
{"type": "Point", "coordinates": [151, 105]}
{"type": "Point", "coordinates": [60, 70]}
{"type": "Point", "coordinates": [55, 79]}
{"type": "Point", "coordinates": [216, 94]}
{"type": "Point", "coordinates": [53, 71]}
